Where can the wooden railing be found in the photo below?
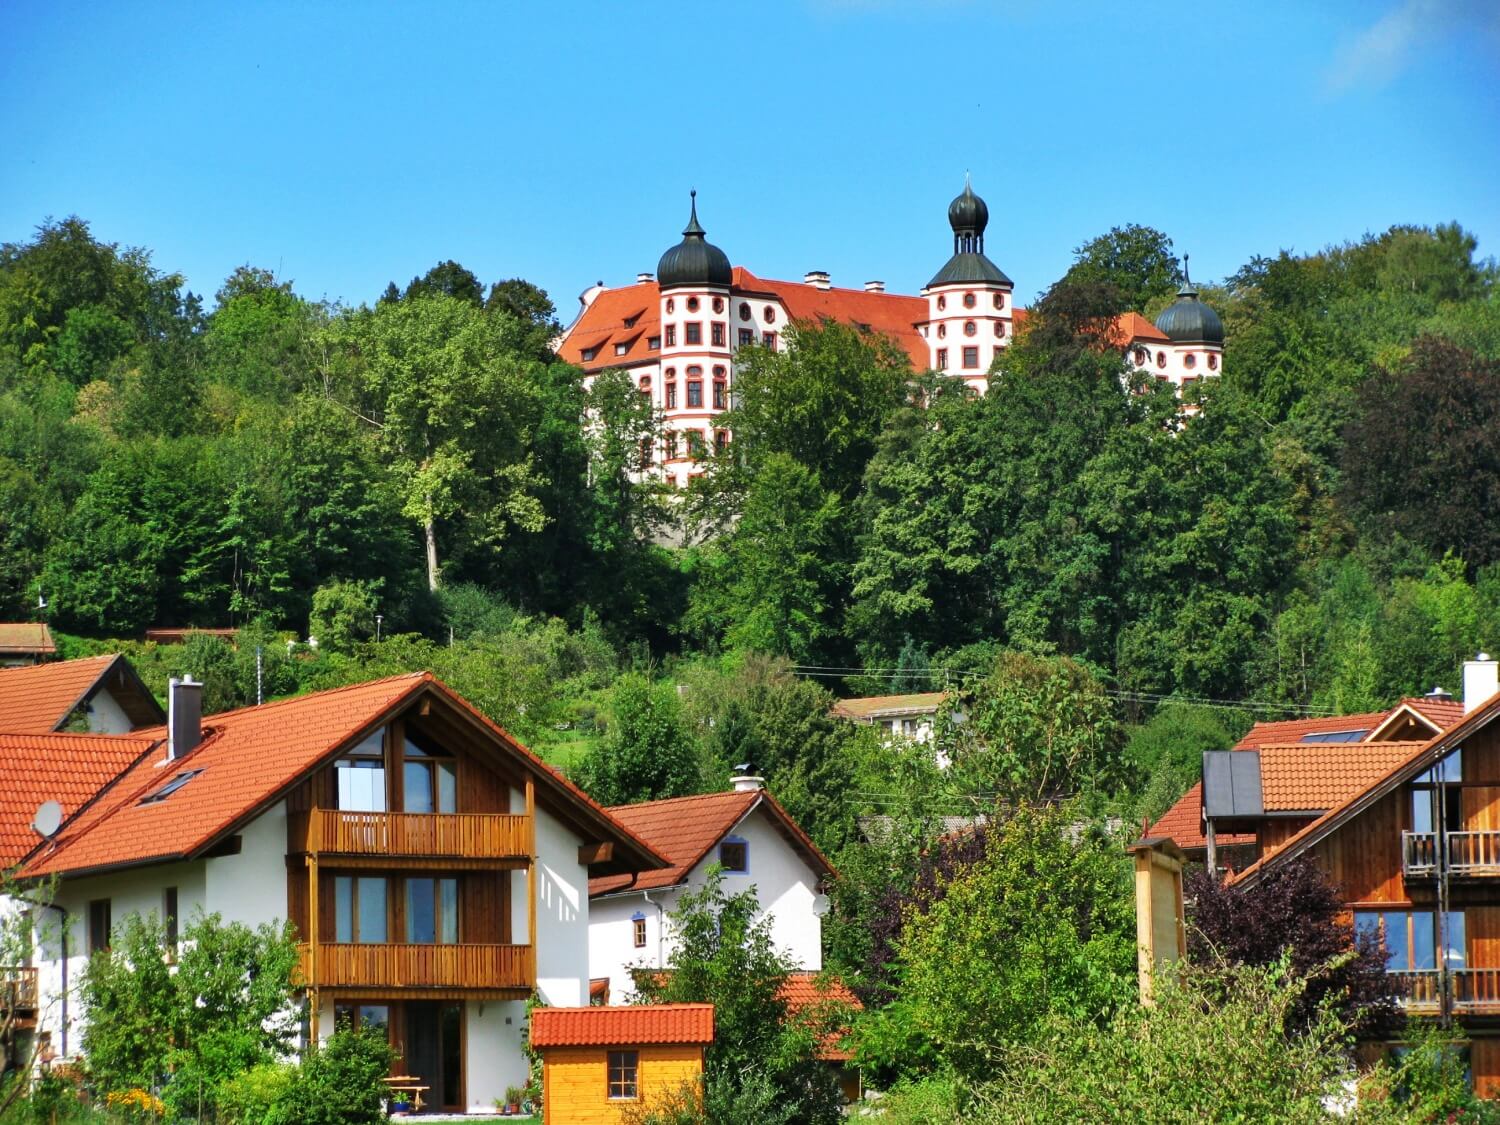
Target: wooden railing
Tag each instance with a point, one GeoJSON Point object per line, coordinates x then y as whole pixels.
{"type": "Point", "coordinates": [1467, 854]}
{"type": "Point", "coordinates": [1418, 989]}
{"type": "Point", "coordinates": [17, 990]}
{"type": "Point", "coordinates": [392, 965]}
{"type": "Point", "coordinates": [455, 835]}
{"type": "Point", "coordinates": [1476, 992]}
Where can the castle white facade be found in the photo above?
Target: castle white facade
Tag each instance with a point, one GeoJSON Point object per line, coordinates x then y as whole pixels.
{"type": "Point", "coordinates": [678, 331]}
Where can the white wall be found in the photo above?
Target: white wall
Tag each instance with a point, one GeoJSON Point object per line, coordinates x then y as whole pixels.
{"type": "Point", "coordinates": [251, 887]}
{"type": "Point", "coordinates": [495, 1059]}
{"type": "Point", "coordinates": [784, 885]}
{"type": "Point", "coordinates": [105, 714]}
{"type": "Point", "coordinates": [562, 913]}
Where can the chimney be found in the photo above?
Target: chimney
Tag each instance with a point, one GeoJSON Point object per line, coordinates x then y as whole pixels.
{"type": "Point", "coordinates": [644, 276]}
{"type": "Point", "coordinates": [1481, 680]}
{"type": "Point", "coordinates": [874, 287]}
{"type": "Point", "coordinates": [818, 279]}
{"type": "Point", "coordinates": [184, 716]}
{"type": "Point", "coordinates": [746, 782]}
{"type": "Point", "coordinates": [1439, 695]}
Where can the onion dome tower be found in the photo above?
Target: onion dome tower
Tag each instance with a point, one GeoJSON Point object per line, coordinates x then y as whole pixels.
{"type": "Point", "coordinates": [694, 278]}
{"type": "Point", "coordinates": [1188, 320]}
{"type": "Point", "coordinates": [969, 299]}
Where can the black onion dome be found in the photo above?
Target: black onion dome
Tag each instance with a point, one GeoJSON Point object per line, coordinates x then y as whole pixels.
{"type": "Point", "coordinates": [1188, 320]}
{"type": "Point", "coordinates": [694, 260]}
{"type": "Point", "coordinates": [968, 213]}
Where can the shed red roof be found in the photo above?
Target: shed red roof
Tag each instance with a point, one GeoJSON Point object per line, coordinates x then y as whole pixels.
{"type": "Point", "coordinates": [805, 991]}
{"type": "Point", "coordinates": [633, 1025]}
{"type": "Point", "coordinates": [39, 697]}
{"type": "Point", "coordinates": [25, 638]}
{"type": "Point", "coordinates": [685, 829]}
{"type": "Point", "coordinates": [67, 768]}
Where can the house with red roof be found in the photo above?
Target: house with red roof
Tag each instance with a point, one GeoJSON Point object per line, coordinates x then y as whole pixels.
{"type": "Point", "coordinates": [436, 872]}
{"type": "Point", "coordinates": [101, 694]}
{"type": "Point", "coordinates": [678, 331]}
{"type": "Point", "coordinates": [25, 642]}
{"type": "Point", "coordinates": [756, 845]}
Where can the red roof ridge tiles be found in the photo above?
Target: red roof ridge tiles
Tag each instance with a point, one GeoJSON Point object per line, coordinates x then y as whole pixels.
{"type": "Point", "coordinates": [623, 1026]}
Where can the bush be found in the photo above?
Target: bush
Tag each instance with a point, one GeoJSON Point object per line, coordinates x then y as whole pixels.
{"type": "Point", "coordinates": [258, 1096]}
{"type": "Point", "coordinates": [340, 1081]}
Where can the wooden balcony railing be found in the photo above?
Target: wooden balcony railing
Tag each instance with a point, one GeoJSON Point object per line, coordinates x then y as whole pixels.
{"type": "Point", "coordinates": [424, 835]}
{"type": "Point", "coordinates": [1476, 992]}
{"type": "Point", "coordinates": [1419, 992]}
{"type": "Point", "coordinates": [389, 965]}
{"type": "Point", "coordinates": [17, 990]}
{"type": "Point", "coordinates": [1467, 854]}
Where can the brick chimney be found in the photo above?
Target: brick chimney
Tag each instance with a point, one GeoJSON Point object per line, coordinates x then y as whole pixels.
{"type": "Point", "coordinates": [184, 716]}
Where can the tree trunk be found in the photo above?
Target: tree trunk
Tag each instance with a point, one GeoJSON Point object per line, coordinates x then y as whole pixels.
{"type": "Point", "coordinates": [432, 563]}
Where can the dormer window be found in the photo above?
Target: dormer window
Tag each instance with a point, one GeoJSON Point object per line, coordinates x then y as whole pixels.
{"type": "Point", "coordinates": [734, 855]}
{"type": "Point", "coordinates": [589, 354]}
{"type": "Point", "coordinates": [630, 320]}
{"type": "Point", "coordinates": [654, 343]}
{"type": "Point", "coordinates": [621, 349]}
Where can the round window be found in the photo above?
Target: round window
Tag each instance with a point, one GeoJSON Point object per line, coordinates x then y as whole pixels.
{"type": "Point", "coordinates": [968, 300]}
{"type": "Point", "coordinates": [942, 331]}
{"type": "Point", "coordinates": [999, 300]}
{"type": "Point", "coordinates": [1161, 359]}
{"type": "Point", "coordinates": [718, 304]}
{"type": "Point", "coordinates": [692, 303]}
{"type": "Point", "coordinates": [770, 314]}
{"type": "Point", "coordinates": [1190, 361]}
{"type": "Point", "coordinates": [671, 305]}
{"type": "Point", "coordinates": [1213, 362]}
{"type": "Point", "coordinates": [942, 303]}
{"type": "Point", "coordinates": [970, 328]}
{"type": "Point", "coordinates": [744, 310]}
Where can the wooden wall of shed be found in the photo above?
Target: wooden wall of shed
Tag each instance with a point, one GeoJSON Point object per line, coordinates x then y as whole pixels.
{"type": "Point", "coordinates": [575, 1081]}
{"type": "Point", "coordinates": [1271, 833]}
{"type": "Point", "coordinates": [1364, 856]}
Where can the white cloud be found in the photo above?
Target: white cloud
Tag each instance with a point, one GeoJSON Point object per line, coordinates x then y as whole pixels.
{"type": "Point", "coordinates": [1381, 51]}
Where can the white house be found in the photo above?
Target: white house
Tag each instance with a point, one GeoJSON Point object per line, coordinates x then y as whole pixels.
{"type": "Point", "coordinates": [435, 871]}
{"type": "Point", "coordinates": [755, 843]}
{"type": "Point", "coordinates": [910, 716]}
{"type": "Point", "coordinates": [101, 694]}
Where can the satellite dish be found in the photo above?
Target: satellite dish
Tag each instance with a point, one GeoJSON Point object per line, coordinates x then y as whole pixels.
{"type": "Point", "coordinates": [48, 819]}
{"type": "Point", "coordinates": [820, 905]}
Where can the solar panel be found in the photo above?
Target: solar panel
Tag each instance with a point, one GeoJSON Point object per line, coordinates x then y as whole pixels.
{"type": "Point", "coordinates": [1336, 736]}
{"type": "Point", "coordinates": [1231, 784]}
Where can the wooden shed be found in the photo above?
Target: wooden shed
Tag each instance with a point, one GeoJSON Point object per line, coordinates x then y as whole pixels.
{"type": "Point", "coordinates": [596, 1061]}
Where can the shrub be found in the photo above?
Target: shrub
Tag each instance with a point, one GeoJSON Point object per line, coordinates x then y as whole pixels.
{"type": "Point", "coordinates": [340, 1080]}
{"type": "Point", "coordinates": [258, 1096]}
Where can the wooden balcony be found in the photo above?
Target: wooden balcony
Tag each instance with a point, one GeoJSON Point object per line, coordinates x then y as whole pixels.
{"type": "Point", "coordinates": [411, 971]}
{"type": "Point", "coordinates": [18, 993]}
{"type": "Point", "coordinates": [1476, 992]}
{"type": "Point", "coordinates": [1419, 991]}
{"type": "Point", "coordinates": [486, 838]}
{"type": "Point", "coordinates": [1467, 855]}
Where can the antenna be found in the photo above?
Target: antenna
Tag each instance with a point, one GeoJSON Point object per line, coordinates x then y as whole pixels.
{"type": "Point", "coordinates": [48, 819]}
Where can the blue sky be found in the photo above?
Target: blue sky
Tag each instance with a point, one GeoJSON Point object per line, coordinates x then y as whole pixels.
{"type": "Point", "coordinates": [345, 145]}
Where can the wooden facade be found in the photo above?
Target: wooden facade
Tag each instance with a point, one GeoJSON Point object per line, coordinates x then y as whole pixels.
{"type": "Point", "coordinates": [575, 1081]}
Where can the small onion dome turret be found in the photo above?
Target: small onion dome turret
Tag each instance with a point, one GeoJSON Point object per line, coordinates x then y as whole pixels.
{"type": "Point", "coordinates": [1188, 320]}
{"type": "Point", "coordinates": [694, 260]}
{"type": "Point", "coordinates": [968, 214]}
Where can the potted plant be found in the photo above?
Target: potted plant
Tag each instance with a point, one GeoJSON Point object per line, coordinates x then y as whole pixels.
{"type": "Point", "coordinates": [513, 1096]}
{"type": "Point", "coordinates": [399, 1104]}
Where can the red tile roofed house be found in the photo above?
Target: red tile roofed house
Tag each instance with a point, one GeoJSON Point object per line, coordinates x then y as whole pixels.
{"type": "Point", "coordinates": [1424, 831]}
{"type": "Point", "coordinates": [25, 642]}
{"type": "Point", "coordinates": [821, 996]}
{"type": "Point", "coordinates": [758, 845]}
{"type": "Point", "coordinates": [432, 867]}
{"type": "Point", "coordinates": [1240, 844]}
{"type": "Point", "coordinates": [101, 693]}
{"type": "Point", "coordinates": [597, 1062]}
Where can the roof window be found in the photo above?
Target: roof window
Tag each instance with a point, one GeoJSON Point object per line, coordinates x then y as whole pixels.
{"type": "Point", "coordinates": [170, 787]}
{"type": "Point", "coordinates": [589, 353]}
{"type": "Point", "coordinates": [1336, 736]}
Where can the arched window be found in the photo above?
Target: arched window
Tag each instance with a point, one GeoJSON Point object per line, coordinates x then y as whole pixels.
{"type": "Point", "coordinates": [999, 328]}
{"type": "Point", "coordinates": [942, 303]}
{"type": "Point", "coordinates": [718, 304]}
{"type": "Point", "coordinates": [744, 310]}
{"type": "Point", "coordinates": [999, 300]}
{"type": "Point", "coordinates": [942, 331]}
{"type": "Point", "coordinates": [645, 384]}
{"type": "Point", "coordinates": [1161, 359]}
{"type": "Point", "coordinates": [770, 314]}
{"type": "Point", "coordinates": [692, 304]}
{"type": "Point", "coordinates": [671, 305]}
{"type": "Point", "coordinates": [1213, 362]}
{"type": "Point", "coordinates": [1139, 356]}
{"type": "Point", "coordinates": [694, 370]}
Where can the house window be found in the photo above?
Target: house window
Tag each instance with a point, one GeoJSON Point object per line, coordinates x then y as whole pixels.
{"type": "Point", "coordinates": [361, 1016]}
{"type": "Point", "coordinates": [630, 320]}
{"type": "Point", "coordinates": [1161, 359]}
{"type": "Point", "coordinates": [942, 303]}
{"type": "Point", "coordinates": [645, 458]}
{"type": "Point", "coordinates": [747, 337]}
{"type": "Point", "coordinates": [942, 360]}
{"type": "Point", "coordinates": [692, 332]}
{"type": "Point", "coordinates": [621, 349]}
{"type": "Point", "coordinates": [734, 855]}
{"type": "Point", "coordinates": [942, 331]}
{"type": "Point", "coordinates": [968, 300]}
{"type": "Point", "coordinates": [970, 328]}
{"type": "Point", "coordinates": [1139, 356]}
{"type": "Point", "coordinates": [671, 445]}
{"type": "Point", "coordinates": [361, 775]}
{"type": "Point", "coordinates": [99, 925]}
{"type": "Point", "coordinates": [359, 909]}
{"type": "Point", "coordinates": [671, 335]}
{"type": "Point", "coordinates": [770, 314]}
{"type": "Point", "coordinates": [718, 304]}
{"type": "Point", "coordinates": [645, 384]}
{"type": "Point", "coordinates": [718, 334]}
{"type": "Point", "coordinates": [1213, 362]}
{"type": "Point", "coordinates": [672, 395]}
{"type": "Point", "coordinates": [695, 393]}
{"type": "Point", "coordinates": [768, 340]}
{"type": "Point", "coordinates": [432, 911]}
{"type": "Point", "coordinates": [1190, 361]}
{"type": "Point", "coordinates": [999, 300]}
{"type": "Point", "coordinates": [692, 304]}
{"type": "Point", "coordinates": [719, 396]}
{"type": "Point", "coordinates": [589, 354]}
{"type": "Point", "coordinates": [429, 781]}
{"type": "Point", "coordinates": [1411, 938]}
{"type": "Point", "coordinates": [671, 305]}
{"type": "Point", "coordinates": [654, 343]}
{"type": "Point", "coordinates": [638, 930]}
{"type": "Point", "coordinates": [169, 917]}
{"type": "Point", "coordinates": [971, 357]}
{"type": "Point", "coordinates": [623, 1067]}
{"type": "Point", "coordinates": [170, 787]}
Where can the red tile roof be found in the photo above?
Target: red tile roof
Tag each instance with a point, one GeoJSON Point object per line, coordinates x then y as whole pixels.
{"type": "Point", "coordinates": [1318, 776]}
{"type": "Point", "coordinates": [25, 638]}
{"type": "Point", "coordinates": [632, 1025]}
{"type": "Point", "coordinates": [867, 706]}
{"type": "Point", "coordinates": [67, 768]}
{"type": "Point", "coordinates": [892, 314]}
{"type": "Point", "coordinates": [38, 698]}
{"type": "Point", "coordinates": [1132, 326]}
{"type": "Point", "coordinates": [685, 830]}
{"type": "Point", "coordinates": [602, 325]}
{"type": "Point", "coordinates": [1183, 824]}
{"type": "Point", "coordinates": [1443, 712]}
{"type": "Point", "coordinates": [1295, 730]}
{"type": "Point", "coordinates": [250, 757]}
{"type": "Point", "coordinates": [803, 991]}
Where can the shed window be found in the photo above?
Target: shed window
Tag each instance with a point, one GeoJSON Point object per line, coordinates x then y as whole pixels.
{"type": "Point", "coordinates": [623, 1068]}
{"type": "Point", "coordinates": [734, 855]}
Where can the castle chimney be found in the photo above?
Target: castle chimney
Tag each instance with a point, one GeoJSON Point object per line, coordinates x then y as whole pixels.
{"type": "Point", "coordinates": [184, 716]}
{"type": "Point", "coordinates": [874, 287]}
{"type": "Point", "coordinates": [644, 276]}
{"type": "Point", "coordinates": [818, 279]}
{"type": "Point", "coordinates": [1481, 680]}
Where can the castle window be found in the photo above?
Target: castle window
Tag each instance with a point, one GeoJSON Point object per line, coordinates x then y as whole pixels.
{"type": "Point", "coordinates": [942, 303]}
{"type": "Point", "coordinates": [671, 335]}
{"type": "Point", "coordinates": [1213, 362]}
{"type": "Point", "coordinates": [654, 343]}
{"type": "Point", "coordinates": [645, 455]}
{"type": "Point", "coordinates": [695, 393]}
{"type": "Point", "coordinates": [1139, 355]}
{"type": "Point", "coordinates": [694, 444]}
{"type": "Point", "coordinates": [770, 314]}
{"type": "Point", "coordinates": [968, 300]}
{"type": "Point", "coordinates": [621, 349]}
{"type": "Point", "coordinates": [717, 336]}
{"type": "Point", "coordinates": [999, 300]}
{"type": "Point", "coordinates": [970, 328]}
{"type": "Point", "coordinates": [671, 445]}
{"type": "Point", "coordinates": [671, 305]}
{"type": "Point", "coordinates": [672, 394]}
{"type": "Point", "coordinates": [768, 340]}
{"type": "Point", "coordinates": [692, 304]}
{"type": "Point", "coordinates": [942, 362]}
{"type": "Point", "coordinates": [744, 310]}
{"type": "Point", "coordinates": [718, 304]}
{"type": "Point", "coordinates": [630, 320]}
{"type": "Point", "coordinates": [971, 357]}
{"type": "Point", "coordinates": [721, 440]}
{"type": "Point", "coordinates": [692, 332]}
{"type": "Point", "coordinates": [719, 397]}
{"type": "Point", "coordinates": [998, 350]}
{"type": "Point", "coordinates": [589, 354]}
{"type": "Point", "coordinates": [1190, 361]}
{"type": "Point", "coordinates": [747, 337]}
{"type": "Point", "coordinates": [1161, 359]}
{"type": "Point", "coordinates": [999, 328]}
{"type": "Point", "coordinates": [942, 331]}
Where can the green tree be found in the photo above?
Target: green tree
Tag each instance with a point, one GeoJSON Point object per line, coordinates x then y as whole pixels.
{"type": "Point", "coordinates": [646, 753]}
{"type": "Point", "coordinates": [343, 614]}
{"type": "Point", "coordinates": [1136, 260]}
